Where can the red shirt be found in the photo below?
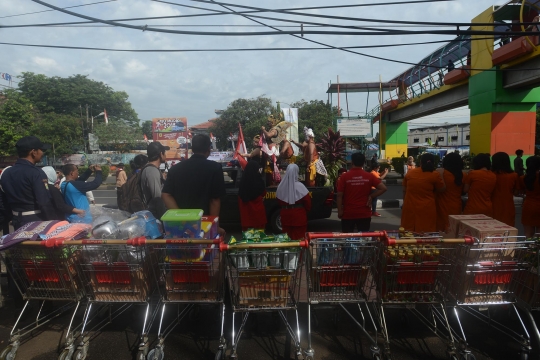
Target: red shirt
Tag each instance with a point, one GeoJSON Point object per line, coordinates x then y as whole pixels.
{"type": "Point", "coordinates": [252, 213]}
{"type": "Point", "coordinates": [356, 185]}
{"type": "Point", "coordinates": [296, 216]}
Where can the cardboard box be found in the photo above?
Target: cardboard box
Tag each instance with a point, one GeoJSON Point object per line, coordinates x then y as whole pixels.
{"type": "Point", "coordinates": [489, 231]}
{"type": "Point", "coordinates": [264, 288]}
{"type": "Point", "coordinates": [454, 221]}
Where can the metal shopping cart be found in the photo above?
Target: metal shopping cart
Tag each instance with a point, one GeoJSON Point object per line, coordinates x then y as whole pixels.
{"type": "Point", "coordinates": [409, 276]}
{"type": "Point", "coordinates": [486, 275]}
{"type": "Point", "coordinates": [526, 284]}
{"type": "Point", "coordinates": [42, 270]}
{"type": "Point", "coordinates": [339, 271]}
{"type": "Point", "coordinates": [265, 277]}
{"type": "Point", "coordinates": [114, 272]}
{"type": "Point", "coordinates": [189, 272]}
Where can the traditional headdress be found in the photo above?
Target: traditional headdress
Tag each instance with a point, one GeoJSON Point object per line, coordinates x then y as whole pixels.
{"type": "Point", "coordinates": [308, 132]}
{"type": "Point", "coordinates": [281, 130]}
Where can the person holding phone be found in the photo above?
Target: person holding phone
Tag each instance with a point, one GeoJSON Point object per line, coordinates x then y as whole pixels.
{"type": "Point", "coordinates": [75, 187]}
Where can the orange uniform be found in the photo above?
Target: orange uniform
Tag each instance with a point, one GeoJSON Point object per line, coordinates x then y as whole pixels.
{"type": "Point", "coordinates": [482, 184]}
{"type": "Point", "coordinates": [448, 202]}
{"type": "Point", "coordinates": [503, 198]}
{"type": "Point", "coordinates": [530, 215]}
{"type": "Point", "coordinates": [419, 211]}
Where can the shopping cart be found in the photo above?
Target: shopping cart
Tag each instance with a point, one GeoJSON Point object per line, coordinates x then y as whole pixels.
{"type": "Point", "coordinates": [114, 272]}
{"type": "Point", "coordinates": [484, 276]}
{"type": "Point", "coordinates": [265, 277]}
{"type": "Point", "coordinates": [189, 272]}
{"type": "Point", "coordinates": [409, 276]}
{"type": "Point", "coordinates": [339, 271]}
{"type": "Point", "coordinates": [42, 270]}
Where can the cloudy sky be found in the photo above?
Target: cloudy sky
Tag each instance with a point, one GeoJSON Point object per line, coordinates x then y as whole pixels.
{"type": "Point", "coordinates": [193, 84]}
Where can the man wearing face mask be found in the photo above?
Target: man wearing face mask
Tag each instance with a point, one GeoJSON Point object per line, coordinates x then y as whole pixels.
{"type": "Point", "coordinates": [24, 186]}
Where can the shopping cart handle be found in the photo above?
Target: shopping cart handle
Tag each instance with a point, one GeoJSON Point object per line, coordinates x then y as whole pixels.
{"type": "Point", "coordinates": [292, 244]}
{"type": "Point", "coordinates": [337, 235]}
{"type": "Point", "coordinates": [138, 241]}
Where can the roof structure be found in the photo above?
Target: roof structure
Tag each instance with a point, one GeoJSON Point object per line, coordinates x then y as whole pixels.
{"type": "Point", "coordinates": [203, 126]}
{"type": "Point", "coordinates": [361, 87]}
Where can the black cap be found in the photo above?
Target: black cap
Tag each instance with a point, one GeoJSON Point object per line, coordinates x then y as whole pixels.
{"type": "Point", "coordinates": [28, 143]}
{"type": "Point", "coordinates": [155, 148]}
{"type": "Point", "coordinates": [121, 165]}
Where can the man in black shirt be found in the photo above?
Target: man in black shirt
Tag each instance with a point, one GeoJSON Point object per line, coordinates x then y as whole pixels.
{"type": "Point", "coordinates": [24, 186]}
{"type": "Point", "coordinates": [518, 163]}
{"type": "Point", "coordinates": [195, 183]}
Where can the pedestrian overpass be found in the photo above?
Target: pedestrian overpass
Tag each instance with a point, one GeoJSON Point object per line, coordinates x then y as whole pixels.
{"type": "Point", "coordinates": [497, 76]}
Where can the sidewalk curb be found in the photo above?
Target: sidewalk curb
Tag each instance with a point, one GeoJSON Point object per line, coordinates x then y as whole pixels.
{"type": "Point", "coordinates": [106, 187]}
{"type": "Point", "coordinates": [392, 181]}
{"type": "Point", "coordinates": [389, 203]}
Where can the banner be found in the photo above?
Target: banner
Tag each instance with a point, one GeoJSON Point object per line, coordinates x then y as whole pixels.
{"type": "Point", "coordinates": [172, 132]}
{"type": "Point", "coordinates": [354, 127]}
{"type": "Point", "coordinates": [291, 115]}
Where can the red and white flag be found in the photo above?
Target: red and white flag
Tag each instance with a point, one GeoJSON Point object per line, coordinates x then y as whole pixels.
{"type": "Point", "coordinates": [105, 116]}
{"type": "Point", "coordinates": [241, 144]}
{"type": "Point", "coordinates": [145, 138]}
{"type": "Point", "coordinates": [211, 136]}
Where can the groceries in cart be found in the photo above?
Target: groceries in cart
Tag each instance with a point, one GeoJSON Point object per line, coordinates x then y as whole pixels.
{"type": "Point", "coordinates": [141, 223]}
{"type": "Point", "coordinates": [182, 223]}
{"type": "Point", "coordinates": [263, 258]}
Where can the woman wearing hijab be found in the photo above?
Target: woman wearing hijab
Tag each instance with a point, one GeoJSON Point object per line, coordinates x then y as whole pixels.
{"type": "Point", "coordinates": [506, 186]}
{"type": "Point", "coordinates": [251, 192]}
{"type": "Point", "coordinates": [480, 184]}
{"type": "Point", "coordinates": [449, 202]}
{"type": "Point", "coordinates": [295, 203]}
{"type": "Point", "coordinates": [62, 209]}
{"type": "Point", "coordinates": [419, 187]}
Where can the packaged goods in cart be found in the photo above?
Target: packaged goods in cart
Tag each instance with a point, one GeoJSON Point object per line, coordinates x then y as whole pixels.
{"type": "Point", "coordinates": [132, 228]}
{"type": "Point", "coordinates": [182, 223]}
{"type": "Point", "coordinates": [454, 222]}
{"type": "Point", "coordinates": [104, 227]}
{"type": "Point", "coordinates": [153, 227]}
{"type": "Point", "coordinates": [214, 221]}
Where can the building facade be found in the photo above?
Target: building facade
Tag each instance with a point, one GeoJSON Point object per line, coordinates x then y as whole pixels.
{"type": "Point", "coordinates": [444, 135]}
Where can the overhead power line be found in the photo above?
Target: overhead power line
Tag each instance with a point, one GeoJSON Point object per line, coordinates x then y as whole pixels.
{"type": "Point", "coordinates": [68, 7]}
{"type": "Point", "coordinates": [282, 32]}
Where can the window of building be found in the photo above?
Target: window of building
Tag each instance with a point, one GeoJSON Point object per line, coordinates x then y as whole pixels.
{"type": "Point", "coordinates": [440, 138]}
{"type": "Point", "coordinates": [416, 140]}
{"type": "Point", "coordinates": [468, 137]}
{"type": "Point", "coordinates": [454, 138]}
{"type": "Point", "coordinates": [427, 139]}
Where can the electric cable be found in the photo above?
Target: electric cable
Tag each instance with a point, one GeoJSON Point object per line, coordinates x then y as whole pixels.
{"type": "Point", "coordinates": [68, 7]}
{"type": "Point", "coordinates": [282, 32]}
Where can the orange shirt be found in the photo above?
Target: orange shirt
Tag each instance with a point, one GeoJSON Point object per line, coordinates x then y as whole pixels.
{"type": "Point", "coordinates": [448, 202]}
{"type": "Point", "coordinates": [482, 184]}
{"type": "Point", "coordinates": [377, 175]}
{"type": "Point", "coordinates": [419, 211]}
{"type": "Point", "coordinates": [502, 198]}
{"type": "Point", "coordinates": [530, 214]}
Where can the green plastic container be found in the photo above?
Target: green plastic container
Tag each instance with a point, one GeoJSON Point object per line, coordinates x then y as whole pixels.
{"type": "Point", "coordinates": [182, 223]}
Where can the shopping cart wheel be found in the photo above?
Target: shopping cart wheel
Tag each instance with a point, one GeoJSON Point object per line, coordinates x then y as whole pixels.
{"type": "Point", "coordinates": [79, 354]}
{"type": "Point", "coordinates": [141, 355]}
{"type": "Point", "coordinates": [524, 355]}
{"type": "Point", "coordinates": [155, 354]}
{"type": "Point", "coordinates": [8, 353]}
{"type": "Point", "coordinates": [376, 357]}
{"type": "Point", "coordinates": [64, 355]}
{"type": "Point", "coordinates": [220, 355]}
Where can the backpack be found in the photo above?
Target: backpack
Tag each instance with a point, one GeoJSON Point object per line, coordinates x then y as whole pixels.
{"type": "Point", "coordinates": [129, 196]}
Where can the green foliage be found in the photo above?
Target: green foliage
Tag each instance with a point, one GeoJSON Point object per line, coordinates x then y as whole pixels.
{"type": "Point", "coordinates": [71, 95]}
{"type": "Point", "coordinates": [105, 171]}
{"type": "Point", "coordinates": [147, 129]}
{"type": "Point", "coordinates": [250, 113]}
{"type": "Point", "coordinates": [118, 136]}
{"type": "Point", "coordinates": [399, 165]}
{"type": "Point", "coordinates": [332, 153]}
{"type": "Point", "coordinates": [316, 115]}
{"type": "Point", "coordinates": [17, 114]}
{"type": "Point", "coordinates": [63, 132]}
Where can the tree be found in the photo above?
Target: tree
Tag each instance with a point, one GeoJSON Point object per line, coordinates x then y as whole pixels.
{"type": "Point", "coordinates": [63, 132]}
{"type": "Point", "coordinates": [316, 115]}
{"type": "Point", "coordinates": [69, 96]}
{"type": "Point", "coordinates": [17, 115]}
{"type": "Point", "coordinates": [250, 113]}
{"type": "Point", "coordinates": [117, 136]}
{"type": "Point", "coordinates": [147, 128]}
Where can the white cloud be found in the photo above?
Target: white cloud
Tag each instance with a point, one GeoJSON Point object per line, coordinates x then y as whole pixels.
{"type": "Point", "coordinates": [194, 84]}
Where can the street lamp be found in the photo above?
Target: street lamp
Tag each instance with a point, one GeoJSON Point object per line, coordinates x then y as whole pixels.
{"type": "Point", "coordinates": [100, 114]}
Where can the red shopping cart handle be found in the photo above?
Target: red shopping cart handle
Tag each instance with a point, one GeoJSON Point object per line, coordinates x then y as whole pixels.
{"type": "Point", "coordinates": [292, 244]}
{"type": "Point", "coordinates": [466, 240]}
{"type": "Point", "coordinates": [189, 241]}
{"type": "Point", "coordinates": [337, 235]}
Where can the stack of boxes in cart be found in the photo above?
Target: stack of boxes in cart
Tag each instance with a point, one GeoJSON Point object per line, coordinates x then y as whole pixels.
{"type": "Point", "coordinates": [488, 257]}
{"type": "Point", "coordinates": [194, 269]}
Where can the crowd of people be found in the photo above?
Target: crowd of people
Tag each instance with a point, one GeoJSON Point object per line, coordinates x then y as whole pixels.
{"type": "Point", "coordinates": [432, 194]}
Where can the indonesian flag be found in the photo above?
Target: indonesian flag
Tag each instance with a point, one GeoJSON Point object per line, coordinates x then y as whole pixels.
{"type": "Point", "coordinates": [105, 116]}
{"type": "Point", "coordinates": [145, 138]}
{"type": "Point", "coordinates": [212, 137]}
{"type": "Point", "coordinates": [241, 144]}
